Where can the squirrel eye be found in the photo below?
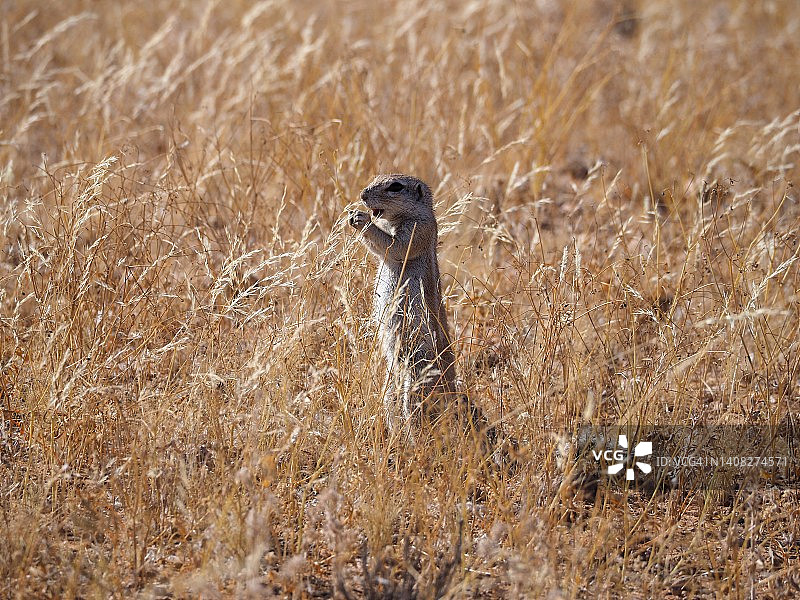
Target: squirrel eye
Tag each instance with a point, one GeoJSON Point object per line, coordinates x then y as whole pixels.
{"type": "Point", "coordinates": [395, 187]}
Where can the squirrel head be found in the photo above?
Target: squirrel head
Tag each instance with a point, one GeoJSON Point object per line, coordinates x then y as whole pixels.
{"type": "Point", "coordinates": [396, 194]}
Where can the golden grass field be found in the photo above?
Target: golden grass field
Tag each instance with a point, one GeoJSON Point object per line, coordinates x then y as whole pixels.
{"type": "Point", "coordinates": [191, 388]}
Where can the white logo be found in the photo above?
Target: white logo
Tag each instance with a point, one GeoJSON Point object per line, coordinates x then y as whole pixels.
{"type": "Point", "coordinates": [641, 449]}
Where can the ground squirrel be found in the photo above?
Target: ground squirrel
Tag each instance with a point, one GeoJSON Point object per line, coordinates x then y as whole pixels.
{"type": "Point", "coordinates": [407, 303]}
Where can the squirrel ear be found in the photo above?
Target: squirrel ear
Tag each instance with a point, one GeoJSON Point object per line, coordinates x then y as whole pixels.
{"type": "Point", "coordinates": [419, 191]}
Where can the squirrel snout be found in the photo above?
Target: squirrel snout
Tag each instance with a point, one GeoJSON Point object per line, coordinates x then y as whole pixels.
{"type": "Point", "coordinates": [363, 195]}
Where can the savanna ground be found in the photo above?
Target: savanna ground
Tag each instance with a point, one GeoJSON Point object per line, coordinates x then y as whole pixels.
{"type": "Point", "coordinates": [191, 388]}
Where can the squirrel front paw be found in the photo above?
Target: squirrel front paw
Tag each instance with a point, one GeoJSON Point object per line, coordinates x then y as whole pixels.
{"type": "Point", "coordinates": [359, 219]}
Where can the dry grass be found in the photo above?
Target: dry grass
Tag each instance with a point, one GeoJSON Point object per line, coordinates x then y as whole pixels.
{"type": "Point", "coordinates": [190, 384]}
